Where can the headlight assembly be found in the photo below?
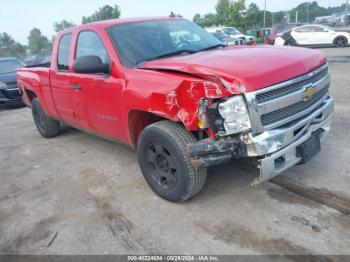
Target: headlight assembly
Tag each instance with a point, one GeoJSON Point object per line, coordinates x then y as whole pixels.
{"type": "Point", "coordinates": [235, 115]}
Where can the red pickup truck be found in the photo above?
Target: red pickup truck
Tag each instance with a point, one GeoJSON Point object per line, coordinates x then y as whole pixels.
{"type": "Point", "coordinates": [181, 98]}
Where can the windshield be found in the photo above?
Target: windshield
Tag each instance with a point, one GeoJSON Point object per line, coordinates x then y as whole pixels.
{"type": "Point", "coordinates": [143, 41]}
{"type": "Point", "coordinates": [231, 31]}
{"type": "Point", "coordinates": [8, 66]}
{"type": "Point", "coordinates": [219, 35]}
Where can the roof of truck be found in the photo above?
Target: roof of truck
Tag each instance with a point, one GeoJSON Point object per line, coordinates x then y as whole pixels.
{"type": "Point", "coordinates": [106, 23]}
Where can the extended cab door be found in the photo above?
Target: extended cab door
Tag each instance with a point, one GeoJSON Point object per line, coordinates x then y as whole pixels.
{"type": "Point", "coordinates": [63, 94]}
{"type": "Point", "coordinates": [100, 95]}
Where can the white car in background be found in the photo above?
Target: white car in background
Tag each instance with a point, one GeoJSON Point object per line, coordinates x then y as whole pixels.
{"type": "Point", "coordinates": [233, 32]}
{"type": "Point", "coordinates": [226, 39]}
{"type": "Point", "coordinates": [313, 35]}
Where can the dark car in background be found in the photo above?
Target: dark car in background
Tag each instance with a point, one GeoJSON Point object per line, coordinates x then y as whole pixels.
{"type": "Point", "coordinates": [277, 29]}
{"type": "Point", "coordinates": [9, 92]}
{"type": "Point", "coordinates": [227, 40]}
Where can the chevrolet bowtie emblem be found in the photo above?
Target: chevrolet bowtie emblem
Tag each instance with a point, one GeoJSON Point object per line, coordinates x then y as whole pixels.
{"type": "Point", "coordinates": [309, 92]}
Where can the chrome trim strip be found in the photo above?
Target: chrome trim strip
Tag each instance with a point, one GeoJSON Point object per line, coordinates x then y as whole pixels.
{"type": "Point", "coordinates": [292, 98]}
{"type": "Point", "coordinates": [11, 89]}
{"type": "Point", "coordinates": [292, 81]}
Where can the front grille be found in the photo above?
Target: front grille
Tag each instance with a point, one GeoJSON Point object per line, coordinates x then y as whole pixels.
{"type": "Point", "coordinates": [285, 90]}
{"type": "Point", "coordinates": [280, 114]}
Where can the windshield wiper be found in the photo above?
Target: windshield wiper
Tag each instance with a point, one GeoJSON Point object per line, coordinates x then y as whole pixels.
{"type": "Point", "coordinates": [212, 47]}
{"type": "Point", "coordinates": [180, 52]}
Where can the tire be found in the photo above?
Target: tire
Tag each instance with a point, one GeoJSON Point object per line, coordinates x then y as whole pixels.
{"type": "Point", "coordinates": [165, 163]}
{"type": "Point", "coordinates": [340, 42]}
{"type": "Point", "coordinates": [46, 126]}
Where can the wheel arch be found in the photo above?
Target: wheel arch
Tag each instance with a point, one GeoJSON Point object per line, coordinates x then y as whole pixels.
{"type": "Point", "coordinates": [28, 96]}
{"type": "Point", "coordinates": [139, 120]}
{"type": "Point", "coordinates": [340, 37]}
{"type": "Point", "coordinates": [31, 95]}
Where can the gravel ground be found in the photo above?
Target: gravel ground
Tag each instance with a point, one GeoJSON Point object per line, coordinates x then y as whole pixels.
{"type": "Point", "coordinates": [78, 194]}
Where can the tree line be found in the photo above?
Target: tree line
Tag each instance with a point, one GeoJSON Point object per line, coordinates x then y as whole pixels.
{"type": "Point", "coordinates": [235, 13]}
{"type": "Point", "coordinates": [228, 13]}
{"type": "Point", "coordinates": [40, 45]}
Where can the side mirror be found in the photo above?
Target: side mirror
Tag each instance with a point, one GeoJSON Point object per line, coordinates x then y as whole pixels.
{"type": "Point", "coordinates": [90, 64]}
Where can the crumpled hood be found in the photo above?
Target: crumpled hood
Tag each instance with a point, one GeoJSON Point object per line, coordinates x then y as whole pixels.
{"type": "Point", "coordinates": [253, 67]}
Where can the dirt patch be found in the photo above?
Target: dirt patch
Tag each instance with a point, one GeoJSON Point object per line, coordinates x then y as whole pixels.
{"type": "Point", "coordinates": [339, 59]}
{"type": "Point", "coordinates": [286, 196]}
{"type": "Point", "coordinates": [38, 236]}
{"type": "Point", "coordinates": [237, 234]}
{"type": "Point", "coordinates": [124, 230]}
{"type": "Point", "coordinates": [305, 222]}
{"type": "Point", "coordinates": [319, 195]}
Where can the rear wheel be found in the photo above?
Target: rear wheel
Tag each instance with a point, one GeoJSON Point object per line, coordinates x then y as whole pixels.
{"type": "Point", "coordinates": [165, 163]}
{"type": "Point", "coordinates": [340, 42]}
{"type": "Point", "coordinates": [46, 126]}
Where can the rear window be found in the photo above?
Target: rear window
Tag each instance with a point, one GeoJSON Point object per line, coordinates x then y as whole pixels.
{"type": "Point", "coordinates": [63, 52]}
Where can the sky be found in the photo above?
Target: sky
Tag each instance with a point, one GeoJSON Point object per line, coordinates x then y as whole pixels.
{"type": "Point", "coordinates": [18, 17]}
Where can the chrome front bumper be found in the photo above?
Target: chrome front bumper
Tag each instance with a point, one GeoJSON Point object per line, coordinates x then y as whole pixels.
{"type": "Point", "coordinates": [281, 144]}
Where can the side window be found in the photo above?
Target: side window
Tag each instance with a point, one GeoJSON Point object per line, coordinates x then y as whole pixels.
{"type": "Point", "coordinates": [89, 43]}
{"type": "Point", "coordinates": [304, 29]}
{"type": "Point", "coordinates": [63, 52]}
{"type": "Point", "coordinates": [319, 29]}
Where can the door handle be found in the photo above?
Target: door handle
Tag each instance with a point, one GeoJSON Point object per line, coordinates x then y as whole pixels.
{"type": "Point", "coordinates": [75, 87]}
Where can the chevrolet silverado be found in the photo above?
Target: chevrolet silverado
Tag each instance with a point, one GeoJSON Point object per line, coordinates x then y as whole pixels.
{"type": "Point", "coordinates": [183, 105]}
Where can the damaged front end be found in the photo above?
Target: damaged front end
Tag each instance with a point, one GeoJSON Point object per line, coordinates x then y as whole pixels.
{"type": "Point", "coordinates": [209, 152]}
{"type": "Point", "coordinates": [277, 127]}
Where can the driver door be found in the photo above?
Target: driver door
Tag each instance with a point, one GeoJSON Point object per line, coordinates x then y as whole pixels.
{"type": "Point", "coordinates": [99, 106]}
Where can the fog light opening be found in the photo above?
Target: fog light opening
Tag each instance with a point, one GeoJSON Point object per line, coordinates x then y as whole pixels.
{"type": "Point", "coordinates": [279, 161]}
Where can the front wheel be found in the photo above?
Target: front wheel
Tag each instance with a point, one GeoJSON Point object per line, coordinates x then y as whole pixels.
{"type": "Point", "coordinates": [165, 163]}
{"type": "Point", "coordinates": [340, 42]}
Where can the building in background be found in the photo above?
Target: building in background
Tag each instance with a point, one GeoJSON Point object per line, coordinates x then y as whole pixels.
{"type": "Point", "coordinates": [338, 18]}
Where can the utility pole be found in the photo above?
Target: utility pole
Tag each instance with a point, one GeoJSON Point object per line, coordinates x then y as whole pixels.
{"type": "Point", "coordinates": [296, 17]}
{"type": "Point", "coordinates": [307, 13]}
{"type": "Point", "coordinates": [264, 13]}
{"type": "Point", "coordinates": [346, 12]}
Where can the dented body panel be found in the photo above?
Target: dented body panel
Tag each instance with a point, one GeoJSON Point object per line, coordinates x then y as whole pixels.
{"type": "Point", "coordinates": [246, 68]}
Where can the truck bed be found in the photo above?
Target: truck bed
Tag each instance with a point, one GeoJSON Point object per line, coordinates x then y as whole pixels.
{"type": "Point", "coordinates": [36, 79]}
